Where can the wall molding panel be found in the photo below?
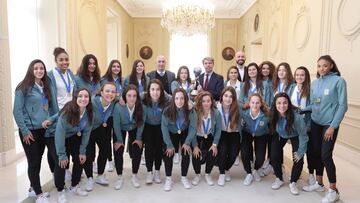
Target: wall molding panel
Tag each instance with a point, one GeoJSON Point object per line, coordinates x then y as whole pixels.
{"type": "Point", "coordinates": [348, 24]}
{"type": "Point", "coordinates": [302, 28]}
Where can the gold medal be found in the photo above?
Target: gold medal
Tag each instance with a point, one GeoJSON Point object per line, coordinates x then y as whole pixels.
{"type": "Point", "coordinates": [118, 94]}
{"type": "Point", "coordinates": [104, 125]}
{"type": "Point", "coordinates": [179, 132]}
{"type": "Point", "coordinates": [205, 136]}
{"type": "Point", "coordinates": [78, 134]}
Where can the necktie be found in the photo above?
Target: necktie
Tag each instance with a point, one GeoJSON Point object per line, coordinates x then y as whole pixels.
{"type": "Point", "coordinates": [206, 82]}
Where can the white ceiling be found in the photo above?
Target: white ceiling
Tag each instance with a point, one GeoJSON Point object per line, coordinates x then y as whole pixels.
{"type": "Point", "coordinates": [153, 8]}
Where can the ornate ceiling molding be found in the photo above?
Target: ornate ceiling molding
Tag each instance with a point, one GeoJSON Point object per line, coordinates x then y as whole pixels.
{"type": "Point", "coordinates": [153, 8]}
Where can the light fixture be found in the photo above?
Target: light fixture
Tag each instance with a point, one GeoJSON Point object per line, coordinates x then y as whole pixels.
{"type": "Point", "coordinates": [188, 17]}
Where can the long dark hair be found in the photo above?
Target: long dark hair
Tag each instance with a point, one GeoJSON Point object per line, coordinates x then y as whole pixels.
{"type": "Point", "coordinates": [171, 111]}
{"type": "Point", "coordinates": [138, 112]}
{"type": "Point", "coordinates": [289, 76]}
{"type": "Point", "coordinates": [305, 89]}
{"type": "Point", "coordinates": [71, 110]}
{"type": "Point", "coordinates": [271, 67]}
{"type": "Point", "coordinates": [259, 84]}
{"type": "Point", "coordinates": [133, 79]}
{"type": "Point", "coordinates": [334, 69]}
{"type": "Point", "coordinates": [84, 72]}
{"type": "Point", "coordinates": [147, 98]}
{"type": "Point", "coordinates": [29, 80]}
{"type": "Point", "coordinates": [289, 114]}
{"type": "Point", "coordinates": [178, 74]}
{"type": "Point", "coordinates": [108, 75]}
{"type": "Point", "coordinates": [234, 111]}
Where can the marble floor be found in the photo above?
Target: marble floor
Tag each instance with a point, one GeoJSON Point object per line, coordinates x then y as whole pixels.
{"type": "Point", "coordinates": [14, 184]}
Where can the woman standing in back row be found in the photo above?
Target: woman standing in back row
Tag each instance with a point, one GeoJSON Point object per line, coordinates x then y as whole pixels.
{"type": "Point", "coordinates": [328, 98]}
{"type": "Point", "coordinates": [63, 85]}
{"type": "Point", "coordinates": [88, 74]}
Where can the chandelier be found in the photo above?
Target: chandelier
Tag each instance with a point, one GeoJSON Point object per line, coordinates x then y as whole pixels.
{"type": "Point", "coordinates": [188, 17]}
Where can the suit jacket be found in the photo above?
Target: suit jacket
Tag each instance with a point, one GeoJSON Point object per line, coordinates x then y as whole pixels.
{"type": "Point", "coordinates": [215, 85]}
{"type": "Point", "coordinates": [245, 73]}
{"type": "Point", "coordinates": [170, 77]}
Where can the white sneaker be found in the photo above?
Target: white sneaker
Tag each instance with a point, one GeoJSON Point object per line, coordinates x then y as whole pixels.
{"type": "Point", "coordinates": [157, 178]}
{"type": "Point", "coordinates": [209, 179]}
{"type": "Point", "coordinates": [185, 182]}
{"type": "Point", "coordinates": [331, 196]}
{"type": "Point", "coordinates": [95, 168]}
{"type": "Point", "coordinates": [266, 163]}
{"type": "Point", "coordinates": [176, 158]}
{"type": "Point", "coordinates": [311, 179]}
{"type": "Point", "coordinates": [33, 194]}
{"type": "Point", "coordinates": [42, 199]}
{"type": "Point", "coordinates": [119, 183]}
{"type": "Point", "coordinates": [256, 175]}
{"type": "Point", "coordinates": [61, 197]}
{"type": "Point", "coordinates": [149, 178]}
{"type": "Point", "coordinates": [267, 170]}
{"type": "Point", "coordinates": [315, 187]}
{"type": "Point", "coordinates": [102, 180]}
{"type": "Point", "coordinates": [168, 184]}
{"type": "Point", "coordinates": [89, 184]}
{"type": "Point", "coordinates": [248, 179]}
{"type": "Point", "coordinates": [78, 191]}
{"type": "Point", "coordinates": [135, 181]}
{"type": "Point", "coordinates": [195, 181]}
{"type": "Point", "coordinates": [110, 166]}
{"type": "Point", "coordinates": [293, 188]}
{"type": "Point", "coordinates": [221, 180]}
{"type": "Point", "coordinates": [277, 184]}
{"type": "Point", "coordinates": [237, 161]}
{"type": "Point", "coordinates": [261, 172]}
{"type": "Point", "coordinates": [67, 175]}
{"type": "Point", "coordinates": [227, 176]}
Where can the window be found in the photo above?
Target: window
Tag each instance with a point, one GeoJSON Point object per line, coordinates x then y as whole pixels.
{"type": "Point", "coordinates": [189, 51]}
{"type": "Point", "coordinates": [36, 27]}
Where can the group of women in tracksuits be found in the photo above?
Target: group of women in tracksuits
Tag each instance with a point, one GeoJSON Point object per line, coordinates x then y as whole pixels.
{"type": "Point", "coordinates": [70, 115]}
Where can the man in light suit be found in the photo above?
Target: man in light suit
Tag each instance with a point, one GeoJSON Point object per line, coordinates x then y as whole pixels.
{"type": "Point", "coordinates": [166, 77]}
{"type": "Point", "coordinates": [210, 81]}
{"type": "Point", "coordinates": [240, 64]}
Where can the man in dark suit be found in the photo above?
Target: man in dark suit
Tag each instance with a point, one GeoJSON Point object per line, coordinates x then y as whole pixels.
{"type": "Point", "coordinates": [240, 64]}
{"type": "Point", "coordinates": [210, 81]}
{"type": "Point", "coordinates": [166, 77]}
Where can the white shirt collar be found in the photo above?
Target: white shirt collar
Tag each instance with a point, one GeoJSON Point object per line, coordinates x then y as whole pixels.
{"type": "Point", "coordinates": [104, 107]}
{"type": "Point", "coordinates": [131, 111]}
{"type": "Point", "coordinates": [161, 73]}
{"type": "Point", "coordinates": [237, 84]}
{"type": "Point", "coordinates": [208, 117]}
{"type": "Point", "coordinates": [82, 114]}
{"type": "Point", "coordinates": [209, 74]}
{"type": "Point", "coordinates": [40, 87]}
{"type": "Point", "coordinates": [254, 118]}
